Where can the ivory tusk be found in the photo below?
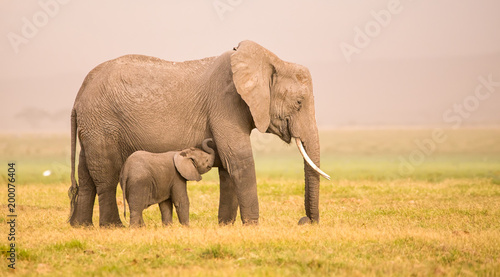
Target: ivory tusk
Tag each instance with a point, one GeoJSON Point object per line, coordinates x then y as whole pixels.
{"type": "Point", "coordinates": [308, 160]}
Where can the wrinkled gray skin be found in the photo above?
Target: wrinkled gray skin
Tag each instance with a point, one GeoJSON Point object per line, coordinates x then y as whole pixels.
{"type": "Point", "coordinates": [143, 103]}
{"type": "Point", "coordinates": [160, 178]}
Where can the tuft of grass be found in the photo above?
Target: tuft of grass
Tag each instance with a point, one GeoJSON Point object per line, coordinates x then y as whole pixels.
{"type": "Point", "coordinates": [73, 244]}
{"type": "Point", "coordinates": [216, 252]}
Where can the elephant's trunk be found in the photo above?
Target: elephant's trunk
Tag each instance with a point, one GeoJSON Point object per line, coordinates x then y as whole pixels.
{"type": "Point", "coordinates": [312, 174]}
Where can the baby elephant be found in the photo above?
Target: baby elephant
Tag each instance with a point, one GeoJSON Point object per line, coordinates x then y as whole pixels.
{"type": "Point", "coordinates": [149, 178]}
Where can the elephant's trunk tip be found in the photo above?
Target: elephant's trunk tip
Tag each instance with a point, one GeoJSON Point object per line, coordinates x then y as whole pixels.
{"type": "Point", "coordinates": [206, 147]}
{"type": "Point", "coordinates": [308, 160]}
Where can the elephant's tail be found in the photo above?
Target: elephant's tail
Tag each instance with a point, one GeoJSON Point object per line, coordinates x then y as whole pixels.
{"type": "Point", "coordinates": [73, 190]}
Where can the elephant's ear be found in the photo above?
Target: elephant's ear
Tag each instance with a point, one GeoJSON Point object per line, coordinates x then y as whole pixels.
{"type": "Point", "coordinates": [185, 166]}
{"type": "Point", "coordinates": [252, 76]}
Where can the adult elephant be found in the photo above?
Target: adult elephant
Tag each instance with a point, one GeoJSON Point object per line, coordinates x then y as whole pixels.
{"type": "Point", "coordinates": [143, 103]}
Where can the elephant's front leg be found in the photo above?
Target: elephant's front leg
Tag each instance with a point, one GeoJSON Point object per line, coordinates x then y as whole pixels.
{"type": "Point", "coordinates": [228, 201]}
{"type": "Point", "coordinates": [166, 211]}
{"type": "Point", "coordinates": [238, 162]}
{"type": "Point", "coordinates": [180, 200]}
{"type": "Point", "coordinates": [243, 176]}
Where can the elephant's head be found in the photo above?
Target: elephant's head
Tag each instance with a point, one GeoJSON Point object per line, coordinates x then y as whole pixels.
{"type": "Point", "coordinates": [193, 162]}
{"type": "Point", "coordinates": [280, 97]}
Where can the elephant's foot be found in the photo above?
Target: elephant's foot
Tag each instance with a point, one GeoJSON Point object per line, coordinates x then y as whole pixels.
{"type": "Point", "coordinates": [137, 224]}
{"type": "Point", "coordinates": [112, 225]}
{"type": "Point", "coordinates": [226, 221]}
{"type": "Point", "coordinates": [77, 224]}
{"type": "Point", "coordinates": [80, 219]}
{"type": "Point", "coordinates": [136, 219]}
{"type": "Point", "coordinates": [250, 222]}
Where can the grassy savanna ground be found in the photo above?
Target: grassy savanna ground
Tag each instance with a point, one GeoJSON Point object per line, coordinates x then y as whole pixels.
{"type": "Point", "coordinates": [442, 217]}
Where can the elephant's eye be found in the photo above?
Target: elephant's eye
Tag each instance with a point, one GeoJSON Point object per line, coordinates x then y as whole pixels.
{"type": "Point", "coordinates": [299, 104]}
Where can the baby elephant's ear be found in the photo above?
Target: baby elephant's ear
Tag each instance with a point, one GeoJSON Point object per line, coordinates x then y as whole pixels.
{"type": "Point", "coordinates": [186, 167]}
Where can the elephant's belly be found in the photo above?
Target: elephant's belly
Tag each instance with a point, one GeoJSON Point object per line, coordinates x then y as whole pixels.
{"type": "Point", "coordinates": [164, 139]}
{"type": "Point", "coordinates": [160, 189]}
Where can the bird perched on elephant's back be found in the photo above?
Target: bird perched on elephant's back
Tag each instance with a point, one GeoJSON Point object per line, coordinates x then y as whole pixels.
{"type": "Point", "coordinates": [143, 103]}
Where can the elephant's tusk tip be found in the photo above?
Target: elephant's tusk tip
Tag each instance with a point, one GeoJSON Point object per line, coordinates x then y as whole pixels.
{"type": "Point", "coordinates": [308, 160]}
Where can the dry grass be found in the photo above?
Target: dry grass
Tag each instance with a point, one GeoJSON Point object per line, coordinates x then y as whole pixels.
{"type": "Point", "coordinates": [373, 221]}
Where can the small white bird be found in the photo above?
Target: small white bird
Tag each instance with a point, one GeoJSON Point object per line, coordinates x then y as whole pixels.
{"type": "Point", "coordinates": [46, 173]}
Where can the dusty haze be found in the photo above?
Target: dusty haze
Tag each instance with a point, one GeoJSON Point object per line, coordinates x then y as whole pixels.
{"type": "Point", "coordinates": [374, 63]}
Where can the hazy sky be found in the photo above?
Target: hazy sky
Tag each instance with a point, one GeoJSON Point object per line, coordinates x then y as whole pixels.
{"type": "Point", "coordinates": [407, 62]}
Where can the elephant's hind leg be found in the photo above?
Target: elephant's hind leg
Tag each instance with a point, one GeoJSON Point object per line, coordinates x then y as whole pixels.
{"type": "Point", "coordinates": [136, 219]}
{"type": "Point", "coordinates": [108, 207]}
{"type": "Point", "coordinates": [105, 171]}
{"type": "Point", "coordinates": [84, 206]}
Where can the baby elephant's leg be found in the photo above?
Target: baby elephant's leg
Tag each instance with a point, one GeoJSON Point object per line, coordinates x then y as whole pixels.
{"type": "Point", "coordinates": [137, 197]}
{"type": "Point", "coordinates": [181, 201]}
{"type": "Point", "coordinates": [166, 211]}
{"type": "Point", "coordinates": [182, 209]}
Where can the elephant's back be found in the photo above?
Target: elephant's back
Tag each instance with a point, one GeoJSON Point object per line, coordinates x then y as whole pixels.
{"type": "Point", "coordinates": [144, 61]}
{"type": "Point", "coordinates": [139, 78]}
{"type": "Point", "coordinates": [127, 92]}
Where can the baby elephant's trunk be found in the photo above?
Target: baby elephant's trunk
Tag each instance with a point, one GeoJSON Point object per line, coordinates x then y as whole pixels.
{"type": "Point", "coordinates": [205, 166]}
{"type": "Point", "coordinates": [207, 148]}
